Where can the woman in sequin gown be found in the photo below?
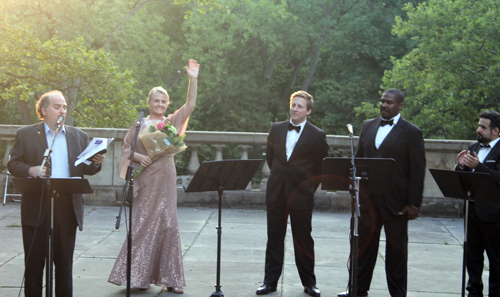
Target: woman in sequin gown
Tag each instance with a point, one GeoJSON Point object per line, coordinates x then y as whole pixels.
{"type": "Point", "coordinates": [156, 245]}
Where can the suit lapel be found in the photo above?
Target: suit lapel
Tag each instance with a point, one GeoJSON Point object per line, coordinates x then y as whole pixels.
{"type": "Point", "coordinates": [40, 135]}
{"type": "Point", "coordinates": [393, 135]}
{"type": "Point", "coordinates": [475, 147]}
{"type": "Point", "coordinates": [281, 138]}
{"type": "Point", "coordinates": [72, 142]}
{"type": "Point", "coordinates": [493, 152]}
{"type": "Point", "coordinates": [371, 133]}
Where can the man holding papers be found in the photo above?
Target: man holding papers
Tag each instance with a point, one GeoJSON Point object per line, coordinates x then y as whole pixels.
{"type": "Point", "coordinates": [26, 159]}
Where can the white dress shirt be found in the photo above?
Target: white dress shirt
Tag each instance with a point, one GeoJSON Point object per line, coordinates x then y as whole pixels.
{"type": "Point", "coordinates": [484, 151]}
{"type": "Point", "coordinates": [292, 137]}
{"type": "Point", "coordinates": [59, 155]}
{"type": "Point", "coordinates": [383, 131]}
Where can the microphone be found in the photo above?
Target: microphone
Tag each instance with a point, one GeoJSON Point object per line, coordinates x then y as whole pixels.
{"type": "Point", "coordinates": [60, 118]}
{"type": "Point", "coordinates": [139, 119]}
{"type": "Point", "coordinates": [349, 127]}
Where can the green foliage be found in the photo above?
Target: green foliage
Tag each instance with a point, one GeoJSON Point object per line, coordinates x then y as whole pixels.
{"type": "Point", "coordinates": [253, 55]}
{"type": "Point", "coordinates": [234, 46]}
{"type": "Point", "coordinates": [454, 71]}
{"type": "Point", "coordinates": [30, 67]}
{"type": "Point", "coordinates": [353, 64]}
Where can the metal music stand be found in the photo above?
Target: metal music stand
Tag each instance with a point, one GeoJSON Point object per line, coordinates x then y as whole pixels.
{"type": "Point", "coordinates": [374, 175]}
{"type": "Point", "coordinates": [219, 176]}
{"type": "Point", "coordinates": [61, 186]}
{"type": "Point", "coordinates": [466, 185]}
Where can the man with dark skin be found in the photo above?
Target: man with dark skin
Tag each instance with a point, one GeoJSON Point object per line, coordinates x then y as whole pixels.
{"type": "Point", "coordinates": [390, 136]}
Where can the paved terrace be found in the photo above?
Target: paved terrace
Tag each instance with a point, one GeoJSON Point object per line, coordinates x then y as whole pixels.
{"type": "Point", "coordinates": [435, 250]}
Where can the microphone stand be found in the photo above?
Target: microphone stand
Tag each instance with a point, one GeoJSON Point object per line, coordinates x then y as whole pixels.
{"type": "Point", "coordinates": [355, 214]}
{"type": "Point", "coordinates": [49, 260]}
{"type": "Point", "coordinates": [128, 191]}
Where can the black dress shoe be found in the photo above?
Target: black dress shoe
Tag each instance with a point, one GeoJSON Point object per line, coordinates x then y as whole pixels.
{"type": "Point", "coordinates": [346, 294]}
{"type": "Point", "coordinates": [312, 291]}
{"type": "Point", "coordinates": [265, 289]}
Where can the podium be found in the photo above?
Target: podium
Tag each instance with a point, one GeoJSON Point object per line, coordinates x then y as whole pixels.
{"type": "Point", "coordinates": [466, 185]}
{"type": "Point", "coordinates": [350, 174]}
{"type": "Point", "coordinates": [62, 186]}
{"type": "Point", "coordinates": [219, 176]}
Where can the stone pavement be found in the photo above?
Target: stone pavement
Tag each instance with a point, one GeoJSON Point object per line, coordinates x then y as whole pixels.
{"type": "Point", "coordinates": [435, 255]}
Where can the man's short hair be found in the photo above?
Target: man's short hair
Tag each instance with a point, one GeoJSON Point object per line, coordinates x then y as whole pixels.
{"type": "Point", "coordinates": [158, 90]}
{"type": "Point", "coordinates": [44, 102]}
{"type": "Point", "coordinates": [398, 95]}
{"type": "Point", "coordinates": [494, 118]}
{"type": "Point", "coordinates": [305, 95]}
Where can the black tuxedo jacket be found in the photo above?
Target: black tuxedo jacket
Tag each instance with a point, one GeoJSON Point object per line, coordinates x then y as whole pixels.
{"type": "Point", "coordinates": [300, 176]}
{"type": "Point", "coordinates": [28, 151]}
{"type": "Point", "coordinates": [405, 145]}
{"type": "Point", "coordinates": [486, 211]}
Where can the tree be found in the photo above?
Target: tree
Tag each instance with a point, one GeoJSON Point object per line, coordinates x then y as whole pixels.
{"type": "Point", "coordinates": [453, 73]}
{"type": "Point", "coordinates": [353, 62]}
{"type": "Point", "coordinates": [29, 67]}
{"type": "Point", "coordinates": [253, 53]}
{"type": "Point", "coordinates": [137, 33]}
{"type": "Point", "coordinates": [259, 52]}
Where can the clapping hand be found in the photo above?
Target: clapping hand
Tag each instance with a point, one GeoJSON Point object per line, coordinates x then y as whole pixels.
{"type": "Point", "coordinates": [466, 158]}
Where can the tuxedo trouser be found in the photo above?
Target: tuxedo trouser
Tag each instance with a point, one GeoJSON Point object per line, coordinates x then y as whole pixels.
{"type": "Point", "coordinates": [303, 243]}
{"type": "Point", "coordinates": [373, 217]}
{"type": "Point", "coordinates": [35, 243]}
{"type": "Point", "coordinates": [481, 237]}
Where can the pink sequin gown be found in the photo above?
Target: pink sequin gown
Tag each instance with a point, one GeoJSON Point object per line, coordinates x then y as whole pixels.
{"type": "Point", "coordinates": [156, 244]}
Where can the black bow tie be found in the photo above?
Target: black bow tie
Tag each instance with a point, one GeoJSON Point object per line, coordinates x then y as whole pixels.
{"type": "Point", "coordinates": [485, 145]}
{"type": "Point", "coordinates": [292, 127]}
{"type": "Point", "coordinates": [385, 122]}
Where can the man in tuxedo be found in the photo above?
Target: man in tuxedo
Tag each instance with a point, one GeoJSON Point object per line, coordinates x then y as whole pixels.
{"type": "Point", "coordinates": [483, 232]}
{"type": "Point", "coordinates": [294, 152]}
{"type": "Point", "coordinates": [390, 136]}
{"type": "Point", "coordinates": [26, 159]}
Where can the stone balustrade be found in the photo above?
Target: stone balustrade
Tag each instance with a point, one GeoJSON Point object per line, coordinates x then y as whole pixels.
{"type": "Point", "coordinates": [107, 185]}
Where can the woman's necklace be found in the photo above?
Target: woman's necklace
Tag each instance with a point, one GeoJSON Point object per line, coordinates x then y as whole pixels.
{"type": "Point", "coordinates": [149, 121]}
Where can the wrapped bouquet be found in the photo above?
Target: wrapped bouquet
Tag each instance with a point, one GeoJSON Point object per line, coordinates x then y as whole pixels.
{"type": "Point", "coordinates": [159, 140]}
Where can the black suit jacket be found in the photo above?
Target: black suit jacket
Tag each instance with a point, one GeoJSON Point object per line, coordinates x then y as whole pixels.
{"type": "Point", "coordinates": [486, 211]}
{"type": "Point", "coordinates": [405, 145]}
{"type": "Point", "coordinates": [300, 176]}
{"type": "Point", "coordinates": [28, 151]}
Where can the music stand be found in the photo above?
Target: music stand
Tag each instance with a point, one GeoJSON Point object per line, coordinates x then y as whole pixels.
{"type": "Point", "coordinates": [219, 176]}
{"type": "Point", "coordinates": [466, 185]}
{"type": "Point", "coordinates": [62, 186]}
{"type": "Point", "coordinates": [374, 175]}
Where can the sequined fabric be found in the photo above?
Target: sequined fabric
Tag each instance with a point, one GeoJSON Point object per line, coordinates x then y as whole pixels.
{"type": "Point", "coordinates": [156, 245]}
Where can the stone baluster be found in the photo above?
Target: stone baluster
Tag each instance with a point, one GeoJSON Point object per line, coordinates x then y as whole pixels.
{"type": "Point", "coordinates": [9, 144]}
{"type": "Point", "coordinates": [218, 151]}
{"type": "Point", "coordinates": [265, 171]}
{"type": "Point", "coordinates": [244, 151]}
{"type": "Point", "coordinates": [244, 156]}
{"type": "Point", "coordinates": [194, 162]}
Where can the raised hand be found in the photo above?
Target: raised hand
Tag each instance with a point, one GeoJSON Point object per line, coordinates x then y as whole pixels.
{"type": "Point", "coordinates": [192, 68]}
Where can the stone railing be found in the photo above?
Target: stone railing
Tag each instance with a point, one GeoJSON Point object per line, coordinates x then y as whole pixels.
{"type": "Point", "coordinates": [107, 185]}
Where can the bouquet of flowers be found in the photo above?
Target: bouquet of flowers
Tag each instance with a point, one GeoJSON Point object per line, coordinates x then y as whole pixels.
{"type": "Point", "coordinates": [159, 140]}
